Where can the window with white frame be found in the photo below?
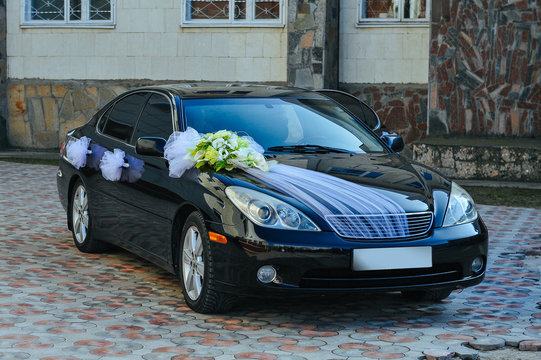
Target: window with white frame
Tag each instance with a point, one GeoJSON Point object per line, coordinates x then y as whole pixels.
{"type": "Point", "coordinates": [393, 12]}
{"type": "Point", "coordinates": [68, 13]}
{"type": "Point", "coordinates": [232, 12]}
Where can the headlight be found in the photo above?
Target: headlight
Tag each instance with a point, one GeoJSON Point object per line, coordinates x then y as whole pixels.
{"type": "Point", "coordinates": [460, 209]}
{"type": "Point", "coordinates": [268, 211]}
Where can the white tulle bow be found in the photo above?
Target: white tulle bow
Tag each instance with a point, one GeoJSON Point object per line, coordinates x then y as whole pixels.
{"type": "Point", "coordinates": [111, 164]}
{"type": "Point", "coordinates": [77, 151]}
{"type": "Point", "coordinates": [177, 149]}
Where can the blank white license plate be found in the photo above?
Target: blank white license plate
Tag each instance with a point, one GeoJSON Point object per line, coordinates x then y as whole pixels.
{"type": "Point", "coordinates": [392, 258]}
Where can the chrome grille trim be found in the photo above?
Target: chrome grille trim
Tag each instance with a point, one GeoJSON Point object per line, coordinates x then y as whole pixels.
{"type": "Point", "coordinates": [418, 224]}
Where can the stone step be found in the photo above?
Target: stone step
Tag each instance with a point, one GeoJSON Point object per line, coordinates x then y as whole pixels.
{"type": "Point", "coordinates": [21, 154]}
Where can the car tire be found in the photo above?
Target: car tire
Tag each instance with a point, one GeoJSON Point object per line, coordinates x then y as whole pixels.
{"type": "Point", "coordinates": [427, 295]}
{"type": "Point", "coordinates": [80, 221]}
{"type": "Point", "coordinates": [196, 269]}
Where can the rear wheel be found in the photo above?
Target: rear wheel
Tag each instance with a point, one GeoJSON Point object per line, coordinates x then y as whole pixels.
{"type": "Point", "coordinates": [80, 221]}
{"type": "Point", "coordinates": [427, 295]}
{"type": "Point", "coordinates": [196, 269]}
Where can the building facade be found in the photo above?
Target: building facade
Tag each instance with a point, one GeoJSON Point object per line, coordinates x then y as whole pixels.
{"type": "Point", "coordinates": [61, 60]}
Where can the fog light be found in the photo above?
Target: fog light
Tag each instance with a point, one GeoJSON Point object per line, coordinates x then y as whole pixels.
{"type": "Point", "coordinates": [477, 264]}
{"type": "Point", "coordinates": [266, 274]}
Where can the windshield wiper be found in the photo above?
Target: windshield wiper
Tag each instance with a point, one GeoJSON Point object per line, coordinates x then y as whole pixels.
{"type": "Point", "coordinates": [308, 149]}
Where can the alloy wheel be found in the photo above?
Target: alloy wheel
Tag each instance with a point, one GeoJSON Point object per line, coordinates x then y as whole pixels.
{"type": "Point", "coordinates": [193, 265]}
{"type": "Point", "coordinates": [80, 214]}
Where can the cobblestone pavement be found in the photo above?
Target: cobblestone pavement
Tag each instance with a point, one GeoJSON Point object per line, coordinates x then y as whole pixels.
{"type": "Point", "coordinates": [58, 303]}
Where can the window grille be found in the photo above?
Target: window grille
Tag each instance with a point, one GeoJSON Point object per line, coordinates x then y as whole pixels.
{"type": "Point", "coordinates": [71, 13]}
{"type": "Point", "coordinates": [232, 12]}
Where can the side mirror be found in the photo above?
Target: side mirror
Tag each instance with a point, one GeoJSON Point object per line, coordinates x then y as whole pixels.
{"type": "Point", "coordinates": [150, 146]}
{"type": "Point", "coordinates": [395, 142]}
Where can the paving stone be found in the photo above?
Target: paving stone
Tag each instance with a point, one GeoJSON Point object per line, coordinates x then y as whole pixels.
{"type": "Point", "coordinates": [530, 345]}
{"type": "Point", "coordinates": [487, 343]}
{"type": "Point", "coordinates": [469, 356]}
{"type": "Point", "coordinates": [114, 305]}
{"type": "Point", "coordinates": [513, 341]}
{"type": "Point", "coordinates": [438, 354]}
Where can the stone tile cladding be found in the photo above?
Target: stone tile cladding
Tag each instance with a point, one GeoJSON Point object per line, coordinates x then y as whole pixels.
{"type": "Point", "coordinates": [481, 162]}
{"type": "Point", "coordinates": [484, 67]}
{"type": "Point", "coordinates": [41, 112]}
{"type": "Point", "coordinates": [58, 303]}
{"type": "Point", "coordinates": [312, 54]}
{"type": "Point", "coordinates": [401, 108]}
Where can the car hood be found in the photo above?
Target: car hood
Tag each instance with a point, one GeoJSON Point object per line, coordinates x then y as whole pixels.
{"type": "Point", "coordinates": [409, 184]}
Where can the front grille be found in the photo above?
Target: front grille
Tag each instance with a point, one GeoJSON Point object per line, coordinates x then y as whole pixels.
{"type": "Point", "coordinates": [381, 226]}
{"type": "Point", "coordinates": [345, 279]}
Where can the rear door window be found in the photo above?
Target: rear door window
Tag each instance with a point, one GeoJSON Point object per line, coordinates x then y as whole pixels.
{"type": "Point", "coordinates": [123, 117]}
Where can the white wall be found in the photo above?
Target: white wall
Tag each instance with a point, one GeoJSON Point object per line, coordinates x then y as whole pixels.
{"type": "Point", "coordinates": [381, 54]}
{"type": "Point", "coordinates": [147, 43]}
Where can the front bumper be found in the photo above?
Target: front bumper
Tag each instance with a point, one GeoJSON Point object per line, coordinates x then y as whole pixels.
{"type": "Point", "coordinates": [322, 262]}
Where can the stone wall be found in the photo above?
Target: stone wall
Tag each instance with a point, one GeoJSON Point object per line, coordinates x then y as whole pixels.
{"type": "Point", "coordinates": [3, 76]}
{"type": "Point", "coordinates": [484, 67]}
{"type": "Point", "coordinates": [481, 161]}
{"type": "Point", "coordinates": [41, 112]}
{"type": "Point", "coordinates": [401, 108]}
{"type": "Point", "coordinates": [312, 48]}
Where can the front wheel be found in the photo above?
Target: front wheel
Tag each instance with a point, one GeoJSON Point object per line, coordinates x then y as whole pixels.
{"type": "Point", "coordinates": [196, 267]}
{"type": "Point", "coordinates": [81, 221]}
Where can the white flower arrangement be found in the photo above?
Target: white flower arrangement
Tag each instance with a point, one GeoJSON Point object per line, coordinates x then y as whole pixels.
{"type": "Point", "coordinates": [213, 151]}
{"type": "Point", "coordinates": [226, 150]}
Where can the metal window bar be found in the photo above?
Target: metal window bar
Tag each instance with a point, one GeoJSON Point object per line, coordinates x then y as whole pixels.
{"type": "Point", "coordinates": [267, 9]}
{"type": "Point", "coordinates": [68, 11]}
{"type": "Point", "coordinates": [242, 10]}
{"type": "Point", "coordinates": [46, 10]}
{"type": "Point", "coordinates": [75, 10]}
{"type": "Point", "coordinates": [99, 10]}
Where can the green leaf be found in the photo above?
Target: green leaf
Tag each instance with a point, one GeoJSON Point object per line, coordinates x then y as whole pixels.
{"type": "Point", "coordinates": [219, 165]}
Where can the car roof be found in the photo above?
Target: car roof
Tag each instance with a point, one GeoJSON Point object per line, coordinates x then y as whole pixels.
{"type": "Point", "coordinates": [211, 90]}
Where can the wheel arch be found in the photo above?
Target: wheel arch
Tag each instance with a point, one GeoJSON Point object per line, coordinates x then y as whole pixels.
{"type": "Point", "coordinates": [71, 186]}
{"type": "Point", "coordinates": [180, 219]}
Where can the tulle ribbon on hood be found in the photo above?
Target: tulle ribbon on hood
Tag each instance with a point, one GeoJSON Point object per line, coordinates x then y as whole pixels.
{"type": "Point", "coordinates": [336, 200]}
{"type": "Point", "coordinates": [340, 202]}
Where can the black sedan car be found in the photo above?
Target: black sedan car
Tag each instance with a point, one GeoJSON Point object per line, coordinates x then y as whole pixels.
{"type": "Point", "coordinates": [341, 211]}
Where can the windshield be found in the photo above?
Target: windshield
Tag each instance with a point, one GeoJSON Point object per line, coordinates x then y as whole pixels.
{"type": "Point", "coordinates": [282, 122]}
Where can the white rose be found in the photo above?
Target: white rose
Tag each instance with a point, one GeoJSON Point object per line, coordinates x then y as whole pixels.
{"type": "Point", "coordinates": [218, 143]}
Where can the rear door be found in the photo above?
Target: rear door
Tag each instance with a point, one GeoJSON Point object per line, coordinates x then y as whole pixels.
{"type": "Point", "coordinates": [109, 199]}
